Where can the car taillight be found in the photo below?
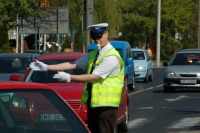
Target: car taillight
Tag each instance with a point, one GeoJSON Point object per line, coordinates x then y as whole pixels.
{"type": "Point", "coordinates": [83, 112]}
{"type": "Point", "coordinates": [15, 77]}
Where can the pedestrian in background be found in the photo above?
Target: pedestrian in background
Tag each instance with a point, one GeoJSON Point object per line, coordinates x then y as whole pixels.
{"type": "Point", "coordinates": [103, 82]}
{"type": "Point", "coordinates": [150, 52]}
{"type": "Point", "coordinates": [29, 42]}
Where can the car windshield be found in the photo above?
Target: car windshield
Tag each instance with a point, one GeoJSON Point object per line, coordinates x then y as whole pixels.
{"type": "Point", "coordinates": [36, 111]}
{"type": "Point", "coordinates": [185, 59]}
{"type": "Point", "coordinates": [14, 64]}
{"type": "Point", "coordinates": [47, 76]}
{"type": "Point", "coordinates": [138, 55]}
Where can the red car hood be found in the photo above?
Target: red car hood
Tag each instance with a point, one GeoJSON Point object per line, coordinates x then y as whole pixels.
{"type": "Point", "coordinates": [70, 90]}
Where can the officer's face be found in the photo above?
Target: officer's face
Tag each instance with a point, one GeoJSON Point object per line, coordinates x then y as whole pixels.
{"type": "Point", "coordinates": [103, 40]}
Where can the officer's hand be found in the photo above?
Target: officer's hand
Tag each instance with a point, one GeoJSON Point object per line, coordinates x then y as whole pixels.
{"type": "Point", "coordinates": [62, 76]}
{"type": "Point", "coordinates": [38, 66]}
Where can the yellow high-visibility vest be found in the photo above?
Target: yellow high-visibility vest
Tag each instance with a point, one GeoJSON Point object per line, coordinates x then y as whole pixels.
{"type": "Point", "coordinates": [105, 92]}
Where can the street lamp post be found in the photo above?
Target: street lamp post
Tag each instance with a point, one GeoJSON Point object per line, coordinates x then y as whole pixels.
{"type": "Point", "coordinates": [89, 18]}
{"type": "Point", "coordinates": [158, 35]}
{"type": "Point", "coordinates": [17, 42]}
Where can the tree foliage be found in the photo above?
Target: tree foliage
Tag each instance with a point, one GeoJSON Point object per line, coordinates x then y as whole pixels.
{"type": "Point", "coordinates": [8, 15]}
{"type": "Point", "coordinates": [107, 11]}
{"type": "Point", "coordinates": [136, 19]}
{"type": "Point", "coordinates": [178, 25]}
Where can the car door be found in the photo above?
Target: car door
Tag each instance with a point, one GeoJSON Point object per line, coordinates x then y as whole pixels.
{"type": "Point", "coordinates": [129, 67]}
{"type": "Point", "coordinates": [149, 63]}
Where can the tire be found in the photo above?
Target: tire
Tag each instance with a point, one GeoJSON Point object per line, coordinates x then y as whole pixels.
{"type": "Point", "coordinates": [130, 87]}
{"type": "Point", "coordinates": [123, 126]}
{"type": "Point", "coordinates": [146, 79]}
{"type": "Point", "coordinates": [151, 77]}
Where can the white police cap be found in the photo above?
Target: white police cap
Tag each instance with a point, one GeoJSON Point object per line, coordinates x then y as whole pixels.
{"type": "Point", "coordinates": [97, 26]}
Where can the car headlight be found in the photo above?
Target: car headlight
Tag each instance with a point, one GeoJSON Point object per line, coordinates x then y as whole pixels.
{"type": "Point", "coordinates": [170, 74]}
{"type": "Point", "coordinates": [140, 68]}
{"type": "Point", "coordinates": [18, 102]}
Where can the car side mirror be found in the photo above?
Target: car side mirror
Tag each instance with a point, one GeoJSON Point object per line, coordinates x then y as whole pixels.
{"type": "Point", "coordinates": [129, 61]}
{"type": "Point", "coordinates": [15, 77]}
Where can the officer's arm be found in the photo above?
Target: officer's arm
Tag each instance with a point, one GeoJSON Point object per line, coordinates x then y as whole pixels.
{"type": "Point", "coordinates": [85, 77]}
{"type": "Point", "coordinates": [61, 67]}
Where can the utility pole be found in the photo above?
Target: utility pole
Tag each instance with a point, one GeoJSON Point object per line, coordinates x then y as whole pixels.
{"type": "Point", "coordinates": [17, 39]}
{"type": "Point", "coordinates": [58, 35]}
{"type": "Point", "coordinates": [158, 35]}
{"type": "Point", "coordinates": [89, 18]}
{"type": "Point", "coordinates": [199, 26]}
{"type": "Point", "coordinates": [22, 36]}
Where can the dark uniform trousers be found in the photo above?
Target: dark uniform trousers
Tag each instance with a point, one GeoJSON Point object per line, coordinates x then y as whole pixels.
{"type": "Point", "coordinates": [102, 119]}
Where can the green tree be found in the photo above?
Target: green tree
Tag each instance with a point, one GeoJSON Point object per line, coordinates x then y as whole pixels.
{"type": "Point", "coordinates": [8, 15]}
{"type": "Point", "coordinates": [178, 18]}
{"type": "Point", "coordinates": [107, 11]}
{"type": "Point", "coordinates": [139, 19]}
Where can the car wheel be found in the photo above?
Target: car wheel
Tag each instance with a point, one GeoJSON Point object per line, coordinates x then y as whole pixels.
{"type": "Point", "coordinates": [146, 79]}
{"type": "Point", "coordinates": [151, 77]}
{"type": "Point", "coordinates": [131, 87]}
{"type": "Point", "coordinates": [123, 127]}
{"type": "Point", "coordinates": [168, 90]}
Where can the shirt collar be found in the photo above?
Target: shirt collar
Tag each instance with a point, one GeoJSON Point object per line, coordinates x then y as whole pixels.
{"type": "Point", "coordinates": [105, 49]}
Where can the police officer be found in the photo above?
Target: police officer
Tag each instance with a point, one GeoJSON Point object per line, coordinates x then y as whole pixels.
{"type": "Point", "coordinates": [103, 82]}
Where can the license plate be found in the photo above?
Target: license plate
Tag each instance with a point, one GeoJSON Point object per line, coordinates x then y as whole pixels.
{"type": "Point", "coordinates": [5, 98]}
{"type": "Point", "coordinates": [51, 117]}
{"type": "Point", "coordinates": [188, 81]}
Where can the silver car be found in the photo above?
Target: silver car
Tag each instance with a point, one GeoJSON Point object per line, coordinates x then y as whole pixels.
{"type": "Point", "coordinates": [183, 70]}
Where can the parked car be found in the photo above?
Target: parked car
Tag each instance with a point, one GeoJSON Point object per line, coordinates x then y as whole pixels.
{"type": "Point", "coordinates": [143, 65]}
{"type": "Point", "coordinates": [182, 70]}
{"type": "Point", "coordinates": [15, 63]}
{"type": "Point", "coordinates": [72, 91]}
{"type": "Point", "coordinates": [124, 50]}
{"type": "Point", "coordinates": [36, 108]}
{"type": "Point", "coordinates": [40, 52]}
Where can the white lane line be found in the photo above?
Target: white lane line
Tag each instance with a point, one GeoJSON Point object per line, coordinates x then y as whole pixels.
{"type": "Point", "coordinates": [177, 98]}
{"type": "Point", "coordinates": [159, 85]}
{"type": "Point", "coordinates": [137, 122]}
{"type": "Point", "coordinates": [150, 88]}
{"type": "Point", "coordinates": [144, 108]}
{"type": "Point", "coordinates": [185, 123]}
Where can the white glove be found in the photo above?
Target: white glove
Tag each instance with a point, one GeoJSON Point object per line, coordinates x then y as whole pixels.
{"type": "Point", "coordinates": [62, 76]}
{"type": "Point", "coordinates": [38, 66]}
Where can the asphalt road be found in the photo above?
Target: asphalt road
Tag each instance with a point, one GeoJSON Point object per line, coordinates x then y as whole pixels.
{"type": "Point", "coordinates": [153, 111]}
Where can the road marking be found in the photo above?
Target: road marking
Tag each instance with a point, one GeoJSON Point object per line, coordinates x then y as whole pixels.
{"type": "Point", "coordinates": [176, 99]}
{"type": "Point", "coordinates": [186, 123]}
{"type": "Point", "coordinates": [159, 85]}
{"type": "Point", "coordinates": [145, 108]}
{"type": "Point", "coordinates": [138, 122]}
{"type": "Point", "coordinates": [150, 88]}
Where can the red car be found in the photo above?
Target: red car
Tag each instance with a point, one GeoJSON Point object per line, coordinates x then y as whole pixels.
{"type": "Point", "coordinates": [72, 91]}
{"type": "Point", "coordinates": [36, 108]}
